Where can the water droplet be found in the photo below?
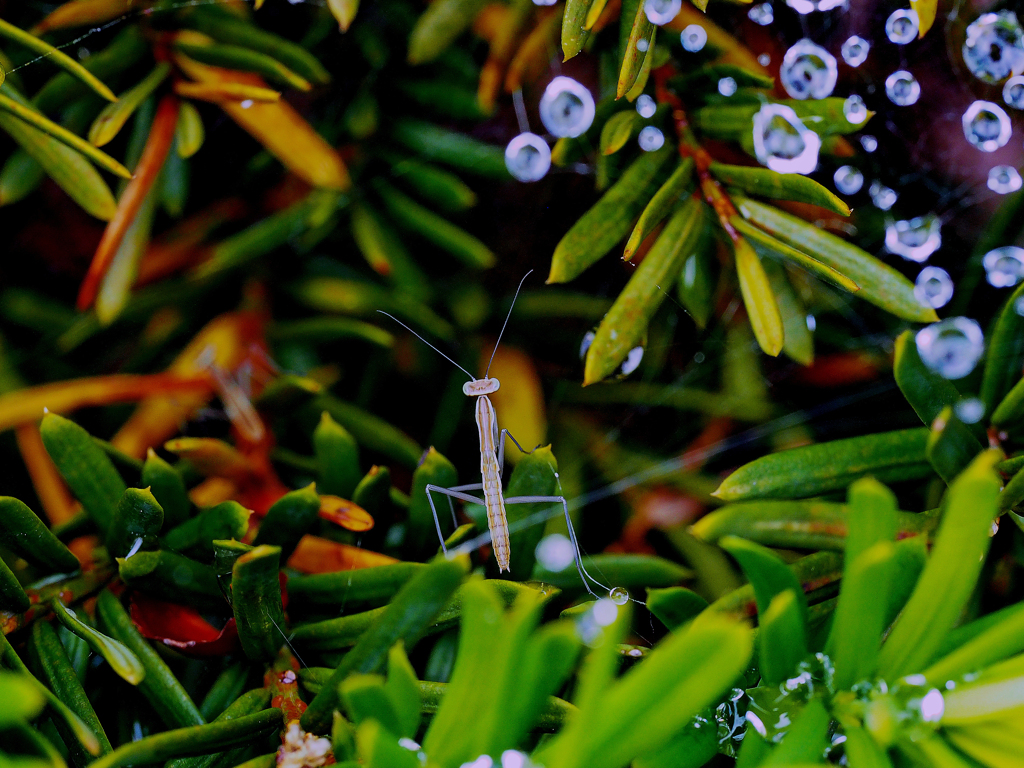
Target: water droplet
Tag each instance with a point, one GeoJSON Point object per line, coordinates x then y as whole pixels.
{"type": "Point", "coordinates": [901, 26]}
{"type": "Point", "coordinates": [970, 410]}
{"type": "Point", "coordinates": [762, 14]}
{"type": "Point", "coordinates": [870, 143]}
{"type": "Point", "coordinates": [764, 59]}
{"type": "Point", "coordinates": [1003, 179]}
{"type": "Point", "coordinates": [484, 761]}
{"type": "Point", "coordinates": [528, 157]}
{"type": "Point", "coordinates": [932, 706]}
{"type": "Point", "coordinates": [606, 610]}
{"type": "Point", "coordinates": [807, 6]}
{"type": "Point", "coordinates": [619, 596]}
{"type": "Point", "coordinates": [662, 11]}
{"type": "Point", "coordinates": [646, 106]}
{"type": "Point", "coordinates": [902, 89]}
{"type": "Point", "coordinates": [855, 109]}
{"type": "Point", "coordinates": [883, 197]}
{"type": "Point", "coordinates": [555, 552]}
{"type": "Point", "coordinates": [848, 180]}
{"type": "Point", "coordinates": [1018, 306]}
{"type": "Point", "coordinates": [994, 47]}
{"type": "Point", "coordinates": [782, 142]}
{"type": "Point", "coordinates": [632, 361]}
{"type": "Point", "coordinates": [513, 758]}
{"type": "Point", "coordinates": [407, 743]}
{"type": "Point", "coordinates": [727, 86]}
{"type": "Point", "coordinates": [650, 138]}
{"type": "Point", "coordinates": [855, 51]}
{"type": "Point", "coordinates": [1004, 267]}
{"type": "Point", "coordinates": [933, 287]}
{"type": "Point", "coordinates": [808, 71]}
{"type": "Point", "coordinates": [693, 38]}
{"type": "Point", "coordinates": [951, 347]}
{"type": "Point", "coordinates": [588, 339]}
{"type": "Point", "coordinates": [566, 108]}
{"type": "Point", "coordinates": [643, 44]}
{"type": "Point", "coordinates": [915, 239]}
{"type": "Point", "coordinates": [544, 2]}
{"type": "Point", "coordinates": [246, 103]}
{"type": "Point", "coordinates": [987, 126]}
{"type": "Point", "coordinates": [1013, 92]}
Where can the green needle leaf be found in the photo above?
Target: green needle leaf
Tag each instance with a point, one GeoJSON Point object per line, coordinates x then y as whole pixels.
{"type": "Point", "coordinates": [125, 663]}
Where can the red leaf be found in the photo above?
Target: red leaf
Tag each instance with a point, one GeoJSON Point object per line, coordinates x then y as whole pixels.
{"type": "Point", "coordinates": [181, 627]}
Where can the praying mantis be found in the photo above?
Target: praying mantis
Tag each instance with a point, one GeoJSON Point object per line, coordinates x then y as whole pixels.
{"type": "Point", "coordinates": [492, 456]}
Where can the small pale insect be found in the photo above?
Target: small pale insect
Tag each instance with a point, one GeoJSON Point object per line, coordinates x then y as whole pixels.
{"type": "Point", "coordinates": [492, 453]}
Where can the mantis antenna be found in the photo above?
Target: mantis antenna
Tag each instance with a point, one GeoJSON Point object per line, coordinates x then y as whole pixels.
{"type": "Point", "coordinates": [507, 318]}
{"type": "Point", "coordinates": [442, 354]}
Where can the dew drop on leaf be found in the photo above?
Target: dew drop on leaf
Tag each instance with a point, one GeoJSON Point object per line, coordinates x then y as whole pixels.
{"type": "Point", "coordinates": [782, 142]}
{"type": "Point", "coordinates": [994, 47]}
{"type": "Point", "coordinates": [1013, 92]}
{"type": "Point", "coordinates": [951, 347]}
{"type": "Point", "coordinates": [848, 180]}
{"type": "Point", "coordinates": [694, 37]}
{"type": "Point", "coordinates": [528, 157]}
{"type": "Point", "coordinates": [1003, 179]}
{"type": "Point", "coordinates": [1004, 267]}
{"type": "Point", "coordinates": [933, 287]}
{"type": "Point", "coordinates": [870, 143]}
{"type": "Point", "coordinates": [855, 110]}
{"type": "Point", "coordinates": [762, 14]}
{"type": "Point", "coordinates": [555, 552]}
{"type": "Point", "coordinates": [727, 86]}
{"type": "Point", "coordinates": [882, 196]}
{"type": "Point", "coordinates": [855, 51]}
{"type": "Point", "coordinates": [808, 71]}
{"type": "Point", "coordinates": [987, 126]}
{"type": "Point", "coordinates": [662, 11]}
{"type": "Point", "coordinates": [808, 6]}
{"type": "Point", "coordinates": [632, 361]}
{"type": "Point", "coordinates": [902, 88]}
{"type": "Point", "coordinates": [646, 106]}
{"type": "Point", "coordinates": [650, 139]}
{"type": "Point", "coordinates": [901, 26]}
{"type": "Point", "coordinates": [566, 108]}
{"type": "Point", "coordinates": [619, 596]}
{"type": "Point", "coordinates": [969, 410]}
{"type": "Point", "coordinates": [914, 239]}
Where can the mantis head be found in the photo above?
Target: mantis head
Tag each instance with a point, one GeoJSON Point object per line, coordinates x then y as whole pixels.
{"type": "Point", "coordinates": [478, 387]}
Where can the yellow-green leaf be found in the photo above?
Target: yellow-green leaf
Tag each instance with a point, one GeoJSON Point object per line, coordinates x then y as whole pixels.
{"type": "Point", "coordinates": [113, 117]}
{"type": "Point", "coordinates": [626, 322]}
{"type": "Point", "coordinates": [660, 206]}
{"type": "Point", "coordinates": [344, 11]}
{"type": "Point", "coordinates": [616, 132]}
{"type": "Point", "coordinates": [437, 28]}
{"type": "Point", "coordinates": [799, 341]}
{"type": "Point", "coordinates": [61, 134]}
{"type": "Point", "coordinates": [56, 56]}
{"type": "Point", "coordinates": [758, 298]}
{"type": "Point", "coordinates": [879, 283]}
{"type": "Point", "coordinates": [632, 57]}
{"type": "Point", "coordinates": [767, 245]}
{"type": "Point", "coordinates": [779, 186]}
{"type": "Point", "coordinates": [925, 10]}
{"type": "Point", "coordinates": [609, 219]}
{"type": "Point", "coordinates": [189, 134]}
{"type": "Point", "coordinates": [68, 168]}
{"type": "Point", "coordinates": [574, 26]}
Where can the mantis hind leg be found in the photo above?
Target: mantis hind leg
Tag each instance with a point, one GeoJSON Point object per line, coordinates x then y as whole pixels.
{"type": "Point", "coordinates": [451, 493]}
{"type": "Point", "coordinates": [585, 576]}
